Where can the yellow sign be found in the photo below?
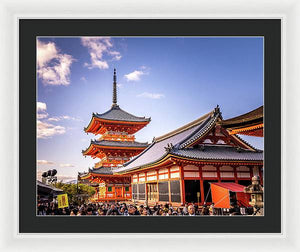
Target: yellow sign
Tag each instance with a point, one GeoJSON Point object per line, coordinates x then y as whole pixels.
{"type": "Point", "coordinates": [62, 200]}
{"type": "Point", "coordinates": [102, 190]}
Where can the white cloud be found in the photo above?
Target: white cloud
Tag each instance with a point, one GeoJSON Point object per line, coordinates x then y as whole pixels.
{"type": "Point", "coordinates": [66, 165]}
{"type": "Point", "coordinates": [44, 162]}
{"type": "Point", "coordinates": [151, 95]}
{"type": "Point", "coordinates": [47, 130]}
{"type": "Point", "coordinates": [45, 53]}
{"type": "Point", "coordinates": [41, 108]}
{"type": "Point", "coordinates": [119, 85]}
{"type": "Point", "coordinates": [53, 67]}
{"type": "Point", "coordinates": [98, 47]}
{"type": "Point", "coordinates": [65, 178]}
{"type": "Point", "coordinates": [64, 117]}
{"type": "Point", "coordinates": [134, 76]}
{"type": "Point", "coordinates": [42, 115]}
{"type": "Point", "coordinates": [116, 55]}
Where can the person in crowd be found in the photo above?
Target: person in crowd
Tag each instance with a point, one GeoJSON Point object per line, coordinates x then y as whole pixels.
{"type": "Point", "coordinates": [101, 212]}
{"type": "Point", "coordinates": [170, 212]}
{"type": "Point", "coordinates": [185, 209]}
{"type": "Point", "coordinates": [170, 206]}
{"type": "Point", "coordinates": [113, 210]}
{"type": "Point", "coordinates": [89, 211]}
{"type": "Point", "coordinates": [133, 210]}
{"type": "Point", "coordinates": [212, 209]}
{"type": "Point", "coordinates": [123, 211]}
{"type": "Point", "coordinates": [145, 212]}
{"type": "Point", "coordinates": [179, 211]}
{"type": "Point", "coordinates": [205, 209]}
{"type": "Point", "coordinates": [191, 210]}
{"type": "Point", "coordinates": [119, 208]}
{"type": "Point", "coordinates": [141, 209]}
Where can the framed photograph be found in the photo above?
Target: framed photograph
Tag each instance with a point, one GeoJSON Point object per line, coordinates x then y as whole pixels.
{"type": "Point", "coordinates": [145, 126]}
{"type": "Point", "coordinates": [199, 162]}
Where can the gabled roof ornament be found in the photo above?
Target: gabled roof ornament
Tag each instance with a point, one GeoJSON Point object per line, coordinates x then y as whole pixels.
{"type": "Point", "coordinates": [202, 147]}
{"type": "Point", "coordinates": [217, 111]}
{"type": "Point", "coordinates": [239, 149]}
{"type": "Point", "coordinates": [169, 147]}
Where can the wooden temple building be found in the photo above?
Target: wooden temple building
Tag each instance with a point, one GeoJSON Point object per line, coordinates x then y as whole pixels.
{"type": "Point", "coordinates": [251, 123]}
{"type": "Point", "coordinates": [179, 167]}
{"type": "Point", "coordinates": [115, 146]}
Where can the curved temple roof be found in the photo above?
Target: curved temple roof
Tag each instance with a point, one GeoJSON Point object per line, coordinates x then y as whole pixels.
{"type": "Point", "coordinates": [118, 114]}
{"type": "Point", "coordinates": [128, 144]}
{"type": "Point", "coordinates": [102, 170]}
{"type": "Point", "coordinates": [116, 144]}
{"type": "Point", "coordinates": [176, 143]}
{"type": "Point", "coordinates": [220, 153]}
{"type": "Point", "coordinates": [253, 117]}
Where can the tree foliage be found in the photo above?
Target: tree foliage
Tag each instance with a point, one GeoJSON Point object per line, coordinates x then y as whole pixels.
{"type": "Point", "coordinates": [76, 194]}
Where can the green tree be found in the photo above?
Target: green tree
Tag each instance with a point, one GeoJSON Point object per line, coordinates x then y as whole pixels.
{"type": "Point", "coordinates": [73, 191]}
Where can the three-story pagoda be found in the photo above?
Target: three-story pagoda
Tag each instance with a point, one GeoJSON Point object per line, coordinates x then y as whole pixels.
{"type": "Point", "coordinates": [115, 146]}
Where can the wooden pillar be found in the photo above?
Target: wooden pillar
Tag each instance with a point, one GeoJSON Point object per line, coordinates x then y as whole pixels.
{"type": "Point", "coordinates": [169, 184]}
{"type": "Point", "coordinates": [261, 175]}
{"type": "Point", "coordinates": [201, 185]}
{"type": "Point", "coordinates": [157, 178]}
{"type": "Point", "coordinates": [146, 189]}
{"type": "Point", "coordinates": [235, 175]}
{"type": "Point", "coordinates": [202, 191]}
{"type": "Point", "coordinates": [218, 173]}
{"type": "Point", "coordinates": [251, 171]}
{"type": "Point", "coordinates": [182, 184]}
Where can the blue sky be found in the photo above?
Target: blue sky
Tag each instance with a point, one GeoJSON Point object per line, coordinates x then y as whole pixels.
{"type": "Point", "coordinates": [172, 80]}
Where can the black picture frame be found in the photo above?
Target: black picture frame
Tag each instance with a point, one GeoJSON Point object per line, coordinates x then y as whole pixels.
{"type": "Point", "coordinates": [29, 29]}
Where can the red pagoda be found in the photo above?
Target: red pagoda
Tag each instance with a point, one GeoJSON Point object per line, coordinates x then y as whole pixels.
{"type": "Point", "coordinates": [115, 146]}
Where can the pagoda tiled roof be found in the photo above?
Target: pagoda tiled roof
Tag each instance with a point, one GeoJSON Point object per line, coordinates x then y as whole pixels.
{"type": "Point", "coordinates": [102, 170]}
{"type": "Point", "coordinates": [177, 143]}
{"type": "Point", "coordinates": [129, 144]}
{"type": "Point", "coordinates": [118, 114]}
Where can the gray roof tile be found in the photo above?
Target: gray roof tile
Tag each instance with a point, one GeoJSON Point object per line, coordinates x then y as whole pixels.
{"type": "Point", "coordinates": [220, 153]}
{"type": "Point", "coordinates": [118, 114]}
{"type": "Point", "coordinates": [156, 150]}
{"type": "Point", "coordinates": [203, 128]}
{"type": "Point", "coordinates": [102, 170]}
{"type": "Point", "coordinates": [120, 143]}
{"type": "Point", "coordinates": [176, 144]}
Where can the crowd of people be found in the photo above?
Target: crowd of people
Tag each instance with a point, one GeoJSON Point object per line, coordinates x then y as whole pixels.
{"type": "Point", "coordinates": [128, 209]}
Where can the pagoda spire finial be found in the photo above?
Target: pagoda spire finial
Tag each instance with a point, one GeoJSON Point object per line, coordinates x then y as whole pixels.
{"type": "Point", "coordinates": [115, 89]}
